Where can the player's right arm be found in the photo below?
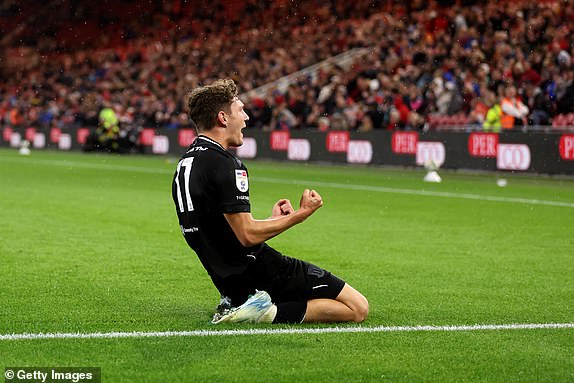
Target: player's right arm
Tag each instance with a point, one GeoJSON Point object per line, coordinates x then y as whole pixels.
{"type": "Point", "coordinates": [250, 231]}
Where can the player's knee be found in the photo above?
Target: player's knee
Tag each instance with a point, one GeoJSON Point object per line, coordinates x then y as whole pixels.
{"type": "Point", "coordinates": [361, 310]}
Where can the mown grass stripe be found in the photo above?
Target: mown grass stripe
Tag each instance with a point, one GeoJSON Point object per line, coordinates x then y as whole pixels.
{"type": "Point", "coordinates": [383, 189]}
{"type": "Point", "coordinates": [310, 183]}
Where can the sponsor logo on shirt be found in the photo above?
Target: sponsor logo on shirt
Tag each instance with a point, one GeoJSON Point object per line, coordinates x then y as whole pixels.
{"type": "Point", "coordinates": [197, 148]}
{"type": "Point", "coordinates": [189, 230]}
{"type": "Point", "coordinates": [241, 180]}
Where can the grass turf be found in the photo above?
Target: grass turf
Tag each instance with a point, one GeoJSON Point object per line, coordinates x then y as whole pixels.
{"type": "Point", "coordinates": [91, 243]}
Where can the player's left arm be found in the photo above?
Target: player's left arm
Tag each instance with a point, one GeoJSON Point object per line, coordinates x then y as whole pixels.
{"type": "Point", "coordinates": [250, 231]}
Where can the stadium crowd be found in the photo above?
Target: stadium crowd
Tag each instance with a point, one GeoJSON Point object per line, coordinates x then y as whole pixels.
{"type": "Point", "coordinates": [496, 64]}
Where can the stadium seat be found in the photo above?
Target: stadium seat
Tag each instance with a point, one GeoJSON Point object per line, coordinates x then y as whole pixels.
{"type": "Point", "coordinates": [559, 121]}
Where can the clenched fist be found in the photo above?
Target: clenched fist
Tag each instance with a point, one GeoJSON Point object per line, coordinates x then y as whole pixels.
{"type": "Point", "coordinates": [310, 200]}
{"type": "Point", "coordinates": [282, 207]}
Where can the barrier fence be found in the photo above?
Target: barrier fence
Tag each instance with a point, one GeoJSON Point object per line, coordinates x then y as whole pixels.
{"type": "Point", "coordinates": [536, 152]}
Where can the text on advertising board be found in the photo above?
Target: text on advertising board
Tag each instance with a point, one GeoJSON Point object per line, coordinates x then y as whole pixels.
{"type": "Point", "coordinates": [39, 141]}
{"type": "Point", "coordinates": [55, 135]}
{"type": "Point", "coordinates": [430, 152]}
{"type": "Point", "coordinates": [248, 149]}
{"type": "Point", "coordinates": [29, 134]}
{"type": "Point", "coordinates": [360, 152]}
{"type": "Point", "coordinates": [337, 142]}
{"type": "Point", "coordinates": [146, 136]}
{"type": "Point", "coordinates": [15, 140]}
{"type": "Point", "coordinates": [185, 137]}
{"type": "Point", "coordinates": [404, 142]}
{"type": "Point", "coordinates": [299, 149]}
{"type": "Point", "coordinates": [6, 134]}
{"type": "Point", "coordinates": [160, 145]}
{"type": "Point", "coordinates": [82, 135]}
{"type": "Point", "coordinates": [513, 157]}
{"type": "Point", "coordinates": [279, 140]}
{"type": "Point", "coordinates": [566, 146]}
{"type": "Point", "coordinates": [483, 144]}
{"type": "Point", "coordinates": [65, 142]}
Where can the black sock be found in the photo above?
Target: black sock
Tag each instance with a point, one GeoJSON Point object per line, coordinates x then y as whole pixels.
{"type": "Point", "coordinates": [290, 312]}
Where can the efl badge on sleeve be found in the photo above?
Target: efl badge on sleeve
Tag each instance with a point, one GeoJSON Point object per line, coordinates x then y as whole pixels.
{"type": "Point", "coordinates": [241, 180]}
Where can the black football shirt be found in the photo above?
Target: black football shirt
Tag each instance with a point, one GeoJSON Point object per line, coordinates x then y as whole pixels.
{"type": "Point", "coordinates": [208, 182]}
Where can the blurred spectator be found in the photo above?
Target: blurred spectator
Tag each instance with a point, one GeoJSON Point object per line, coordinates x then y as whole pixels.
{"type": "Point", "coordinates": [565, 103]}
{"type": "Point", "coordinates": [422, 59]}
{"type": "Point", "coordinates": [282, 118]}
{"type": "Point", "coordinates": [514, 112]}
{"type": "Point", "coordinates": [493, 119]}
{"type": "Point", "coordinates": [480, 107]}
{"type": "Point", "coordinates": [539, 104]}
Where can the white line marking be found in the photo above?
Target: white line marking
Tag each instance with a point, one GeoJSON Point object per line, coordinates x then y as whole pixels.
{"type": "Point", "coordinates": [283, 331]}
{"type": "Point", "coordinates": [380, 189]}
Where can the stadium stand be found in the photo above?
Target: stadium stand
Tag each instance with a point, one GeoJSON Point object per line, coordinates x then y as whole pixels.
{"type": "Point", "coordinates": [428, 65]}
{"type": "Point", "coordinates": [563, 120]}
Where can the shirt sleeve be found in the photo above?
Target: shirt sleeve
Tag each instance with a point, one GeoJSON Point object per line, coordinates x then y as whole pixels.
{"type": "Point", "coordinates": [232, 186]}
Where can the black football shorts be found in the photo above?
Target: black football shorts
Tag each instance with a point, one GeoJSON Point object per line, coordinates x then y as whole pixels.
{"type": "Point", "coordinates": [286, 279]}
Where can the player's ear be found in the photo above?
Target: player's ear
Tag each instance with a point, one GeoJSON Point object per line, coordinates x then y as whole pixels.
{"type": "Point", "coordinates": [222, 118]}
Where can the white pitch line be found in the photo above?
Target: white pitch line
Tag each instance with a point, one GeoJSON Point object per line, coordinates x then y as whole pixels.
{"type": "Point", "coordinates": [284, 331]}
{"type": "Point", "coordinates": [372, 188]}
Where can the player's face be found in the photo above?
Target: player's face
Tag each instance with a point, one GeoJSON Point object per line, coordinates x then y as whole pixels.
{"type": "Point", "coordinates": [236, 123]}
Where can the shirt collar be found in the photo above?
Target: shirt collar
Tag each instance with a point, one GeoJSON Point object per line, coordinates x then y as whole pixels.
{"type": "Point", "coordinates": [210, 140]}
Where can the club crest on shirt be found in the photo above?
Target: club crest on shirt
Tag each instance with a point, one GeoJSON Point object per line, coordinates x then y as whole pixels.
{"type": "Point", "coordinates": [241, 180]}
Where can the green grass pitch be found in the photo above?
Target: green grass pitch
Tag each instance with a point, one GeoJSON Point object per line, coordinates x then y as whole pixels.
{"type": "Point", "coordinates": [90, 243]}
